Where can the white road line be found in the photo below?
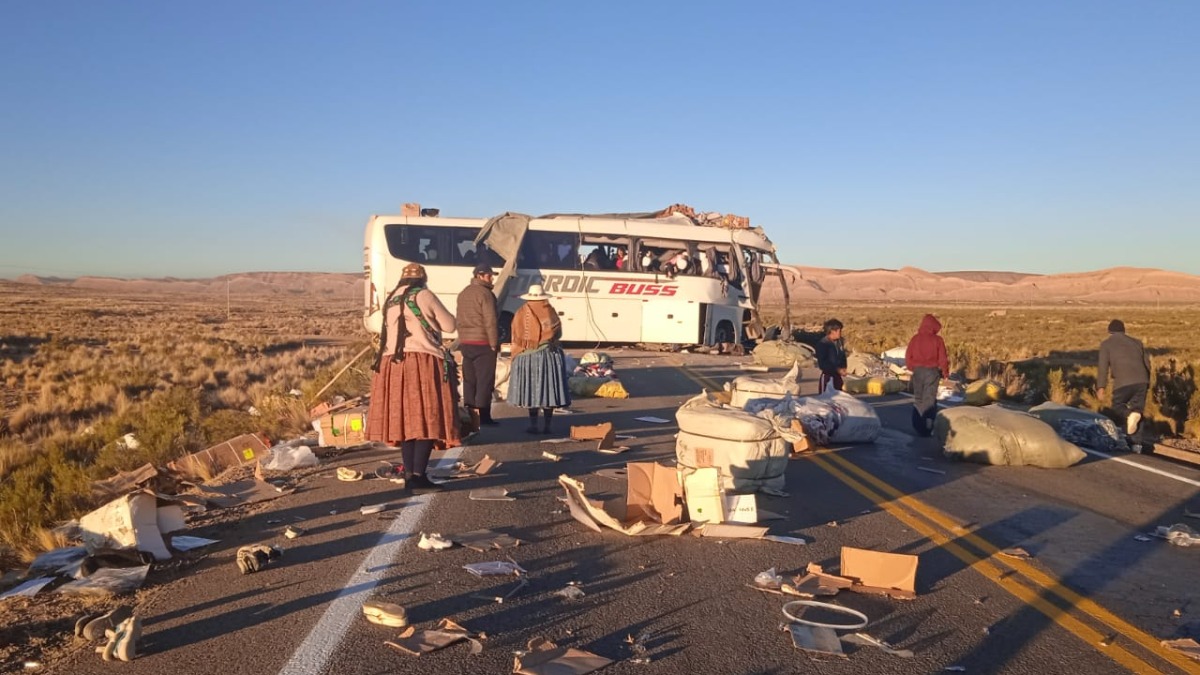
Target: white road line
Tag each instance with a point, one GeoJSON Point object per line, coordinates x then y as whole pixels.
{"type": "Point", "coordinates": [316, 650]}
{"type": "Point", "coordinates": [1143, 467]}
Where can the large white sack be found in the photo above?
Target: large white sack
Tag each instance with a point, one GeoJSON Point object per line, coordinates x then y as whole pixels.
{"type": "Point", "coordinates": [783, 354]}
{"type": "Point", "coordinates": [749, 387]}
{"type": "Point", "coordinates": [744, 466]}
{"type": "Point", "coordinates": [703, 416]}
{"type": "Point", "coordinates": [858, 422]}
{"type": "Point", "coordinates": [747, 451]}
{"type": "Point", "coordinates": [996, 435]}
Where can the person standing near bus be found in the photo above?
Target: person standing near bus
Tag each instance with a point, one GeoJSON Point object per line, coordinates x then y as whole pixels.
{"type": "Point", "coordinates": [1126, 357]}
{"type": "Point", "coordinates": [831, 356]}
{"type": "Point", "coordinates": [538, 378]}
{"type": "Point", "coordinates": [479, 342]}
{"type": "Point", "coordinates": [414, 393]}
{"type": "Point", "coordinates": [927, 359]}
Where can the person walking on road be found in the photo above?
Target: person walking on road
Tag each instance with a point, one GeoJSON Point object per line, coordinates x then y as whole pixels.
{"type": "Point", "coordinates": [479, 342]}
{"type": "Point", "coordinates": [414, 393]}
{"type": "Point", "coordinates": [831, 356]}
{"type": "Point", "coordinates": [926, 358]}
{"type": "Point", "coordinates": [538, 378]}
{"type": "Point", "coordinates": [1129, 362]}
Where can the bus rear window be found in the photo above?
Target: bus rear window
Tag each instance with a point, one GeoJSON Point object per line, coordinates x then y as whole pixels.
{"type": "Point", "coordinates": [430, 245]}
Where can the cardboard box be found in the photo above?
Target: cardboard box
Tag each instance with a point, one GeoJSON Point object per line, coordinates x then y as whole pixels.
{"type": "Point", "coordinates": [654, 493]}
{"type": "Point", "coordinates": [210, 462]}
{"type": "Point", "coordinates": [342, 428]}
{"type": "Point", "coordinates": [891, 574]}
{"type": "Point", "coordinates": [411, 209]}
{"type": "Point", "coordinates": [138, 520]}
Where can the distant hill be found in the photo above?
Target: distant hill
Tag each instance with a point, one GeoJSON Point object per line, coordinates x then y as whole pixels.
{"type": "Point", "coordinates": [330, 284]}
{"type": "Point", "coordinates": [1114, 285]}
{"type": "Point", "coordinates": [907, 284]}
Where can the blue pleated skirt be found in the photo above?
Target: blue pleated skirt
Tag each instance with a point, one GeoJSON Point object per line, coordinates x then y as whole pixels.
{"type": "Point", "coordinates": [538, 379]}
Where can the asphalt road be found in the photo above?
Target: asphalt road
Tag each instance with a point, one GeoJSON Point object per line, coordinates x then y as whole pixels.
{"type": "Point", "coordinates": [1092, 599]}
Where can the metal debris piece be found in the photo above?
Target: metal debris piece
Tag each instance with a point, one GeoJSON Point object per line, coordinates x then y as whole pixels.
{"type": "Point", "coordinates": [570, 593]}
{"type": "Point", "coordinates": [1016, 552]}
{"type": "Point", "coordinates": [868, 641]}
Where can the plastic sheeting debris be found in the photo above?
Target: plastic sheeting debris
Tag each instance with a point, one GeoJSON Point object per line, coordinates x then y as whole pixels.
{"type": "Point", "coordinates": [286, 458]}
{"type": "Point", "coordinates": [495, 568]}
{"type": "Point", "coordinates": [108, 581]}
{"type": "Point", "coordinates": [28, 589]}
{"type": "Point", "coordinates": [186, 543]}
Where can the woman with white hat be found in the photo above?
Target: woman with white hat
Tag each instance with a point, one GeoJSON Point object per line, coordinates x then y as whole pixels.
{"type": "Point", "coordinates": [538, 378]}
{"type": "Point", "coordinates": [414, 393]}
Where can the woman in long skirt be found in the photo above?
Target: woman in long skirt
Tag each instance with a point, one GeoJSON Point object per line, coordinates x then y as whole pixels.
{"type": "Point", "coordinates": [538, 377]}
{"type": "Point", "coordinates": [414, 393]}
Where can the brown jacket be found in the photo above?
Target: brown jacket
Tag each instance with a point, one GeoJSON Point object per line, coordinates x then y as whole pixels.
{"type": "Point", "coordinates": [476, 315]}
{"type": "Point", "coordinates": [536, 322]}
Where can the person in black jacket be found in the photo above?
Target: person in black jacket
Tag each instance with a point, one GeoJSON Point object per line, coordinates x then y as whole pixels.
{"type": "Point", "coordinates": [831, 356]}
{"type": "Point", "coordinates": [1126, 357]}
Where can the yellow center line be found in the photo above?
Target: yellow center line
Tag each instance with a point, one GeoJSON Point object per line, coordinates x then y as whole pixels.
{"type": "Point", "coordinates": [895, 501]}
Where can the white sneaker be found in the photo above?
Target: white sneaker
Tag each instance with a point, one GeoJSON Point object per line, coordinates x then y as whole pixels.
{"type": "Point", "coordinates": [1132, 422]}
{"type": "Point", "coordinates": [434, 542]}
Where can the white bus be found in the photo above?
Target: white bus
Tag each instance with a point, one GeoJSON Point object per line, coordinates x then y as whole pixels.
{"type": "Point", "coordinates": [615, 278]}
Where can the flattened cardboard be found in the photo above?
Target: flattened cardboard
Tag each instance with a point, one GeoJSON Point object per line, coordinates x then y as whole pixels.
{"type": "Point", "coordinates": [891, 574]}
{"type": "Point", "coordinates": [249, 491]}
{"type": "Point", "coordinates": [600, 432]}
{"type": "Point", "coordinates": [593, 515]}
{"type": "Point", "coordinates": [654, 493]}
{"type": "Point", "coordinates": [740, 508]}
{"type": "Point", "coordinates": [546, 658]}
{"type": "Point", "coordinates": [244, 449]}
{"type": "Point", "coordinates": [726, 531]}
{"type": "Point", "coordinates": [417, 642]}
{"type": "Point", "coordinates": [702, 492]}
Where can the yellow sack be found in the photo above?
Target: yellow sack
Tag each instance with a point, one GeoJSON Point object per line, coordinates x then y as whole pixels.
{"type": "Point", "coordinates": [873, 386]}
{"type": "Point", "coordinates": [612, 389]}
{"type": "Point", "coordinates": [982, 392]}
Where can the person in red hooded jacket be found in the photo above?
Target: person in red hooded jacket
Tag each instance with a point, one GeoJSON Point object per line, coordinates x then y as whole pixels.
{"type": "Point", "coordinates": [926, 358]}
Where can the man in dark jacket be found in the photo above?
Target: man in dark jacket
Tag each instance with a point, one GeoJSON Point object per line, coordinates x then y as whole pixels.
{"type": "Point", "coordinates": [831, 357]}
{"type": "Point", "coordinates": [1126, 357]}
{"type": "Point", "coordinates": [479, 341]}
{"type": "Point", "coordinates": [926, 358]}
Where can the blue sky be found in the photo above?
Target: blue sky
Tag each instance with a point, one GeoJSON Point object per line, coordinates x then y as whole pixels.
{"type": "Point", "coordinates": [194, 139]}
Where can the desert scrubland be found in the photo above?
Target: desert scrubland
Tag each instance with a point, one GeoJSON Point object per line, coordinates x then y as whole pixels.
{"type": "Point", "coordinates": [83, 368]}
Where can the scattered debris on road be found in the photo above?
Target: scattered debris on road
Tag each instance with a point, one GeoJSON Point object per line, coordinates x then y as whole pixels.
{"type": "Point", "coordinates": [417, 642]}
{"type": "Point", "coordinates": [385, 613]}
{"type": "Point", "coordinates": [492, 494]}
{"type": "Point", "coordinates": [543, 657]}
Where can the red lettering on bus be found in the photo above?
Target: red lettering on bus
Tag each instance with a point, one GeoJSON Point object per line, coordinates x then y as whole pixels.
{"type": "Point", "coordinates": [642, 289]}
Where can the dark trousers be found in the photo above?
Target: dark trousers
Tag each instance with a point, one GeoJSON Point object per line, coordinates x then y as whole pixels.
{"type": "Point", "coordinates": [834, 378]}
{"type": "Point", "coordinates": [416, 456]}
{"type": "Point", "coordinates": [1130, 398]}
{"type": "Point", "coordinates": [479, 376]}
{"type": "Point", "coordinates": [925, 382]}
